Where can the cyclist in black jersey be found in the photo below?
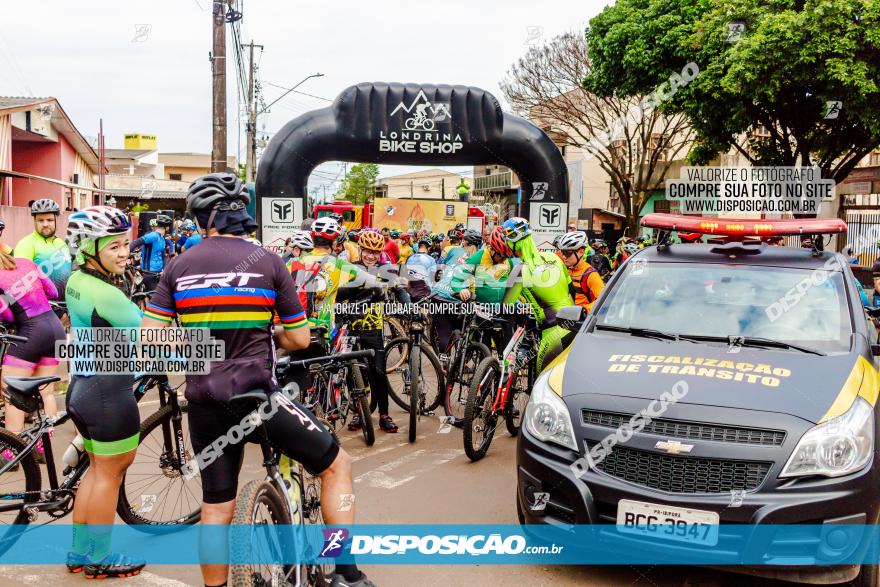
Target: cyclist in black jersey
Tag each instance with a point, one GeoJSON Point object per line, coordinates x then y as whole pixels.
{"type": "Point", "coordinates": [209, 288]}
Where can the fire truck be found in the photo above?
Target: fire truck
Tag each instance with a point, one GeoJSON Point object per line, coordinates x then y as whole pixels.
{"type": "Point", "coordinates": [408, 214]}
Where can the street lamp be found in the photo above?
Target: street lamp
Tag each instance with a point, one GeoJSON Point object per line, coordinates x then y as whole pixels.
{"type": "Point", "coordinates": [287, 92]}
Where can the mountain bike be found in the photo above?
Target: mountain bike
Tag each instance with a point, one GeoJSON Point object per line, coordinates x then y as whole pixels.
{"type": "Point", "coordinates": [288, 497]}
{"type": "Point", "coordinates": [500, 389]}
{"type": "Point", "coordinates": [466, 350]}
{"type": "Point", "coordinates": [337, 391]}
{"type": "Point", "coordinates": [416, 384]}
{"type": "Point", "coordinates": [22, 497]}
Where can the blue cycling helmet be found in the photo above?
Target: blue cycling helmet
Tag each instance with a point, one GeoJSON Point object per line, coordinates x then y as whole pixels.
{"type": "Point", "coordinates": [515, 229]}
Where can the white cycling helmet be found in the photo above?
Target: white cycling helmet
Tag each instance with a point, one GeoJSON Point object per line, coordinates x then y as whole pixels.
{"type": "Point", "coordinates": [302, 239]}
{"type": "Point", "coordinates": [572, 241]}
{"type": "Point", "coordinates": [326, 227]}
{"type": "Point", "coordinates": [92, 223]}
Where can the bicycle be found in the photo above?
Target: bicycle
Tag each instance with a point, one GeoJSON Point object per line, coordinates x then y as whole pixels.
{"type": "Point", "coordinates": [418, 394]}
{"type": "Point", "coordinates": [500, 389]}
{"type": "Point", "coordinates": [465, 352]}
{"type": "Point", "coordinates": [337, 388]}
{"type": "Point", "coordinates": [21, 495]}
{"type": "Point", "coordinates": [288, 495]}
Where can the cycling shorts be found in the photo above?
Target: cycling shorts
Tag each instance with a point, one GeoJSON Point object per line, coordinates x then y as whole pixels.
{"type": "Point", "coordinates": [292, 429]}
{"type": "Point", "coordinates": [105, 412]}
{"type": "Point", "coordinates": [42, 331]}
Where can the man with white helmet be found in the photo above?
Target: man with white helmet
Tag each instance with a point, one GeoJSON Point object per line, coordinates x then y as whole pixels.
{"type": "Point", "coordinates": [585, 280]}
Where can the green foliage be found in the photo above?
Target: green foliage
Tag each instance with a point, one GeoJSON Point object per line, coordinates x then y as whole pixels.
{"type": "Point", "coordinates": [359, 183]}
{"type": "Point", "coordinates": [138, 208]}
{"type": "Point", "coordinates": [793, 57]}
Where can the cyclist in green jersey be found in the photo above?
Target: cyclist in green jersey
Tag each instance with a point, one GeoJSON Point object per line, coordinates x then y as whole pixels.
{"type": "Point", "coordinates": [101, 405]}
{"type": "Point", "coordinates": [543, 281]}
{"type": "Point", "coordinates": [43, 247]}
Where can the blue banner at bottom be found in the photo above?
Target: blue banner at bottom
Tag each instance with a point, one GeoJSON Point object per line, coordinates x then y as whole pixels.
{"type": "Point", "coordinates": [654, 544]}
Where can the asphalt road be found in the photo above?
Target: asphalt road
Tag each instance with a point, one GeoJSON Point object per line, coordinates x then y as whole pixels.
{"type": "Point", "coordinates": [430, 481]}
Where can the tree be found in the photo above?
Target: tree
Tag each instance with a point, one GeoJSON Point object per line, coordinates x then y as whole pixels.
{"type": "Point", "coordinates": [634, 146]}
{"type": "Point", "coordinates": [792, 60]}
{"type": "Point", "coordinates": [359, 183]}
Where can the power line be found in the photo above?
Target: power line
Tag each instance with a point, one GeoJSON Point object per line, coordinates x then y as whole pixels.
{"type": "Point", "coordinates": [298, 92]}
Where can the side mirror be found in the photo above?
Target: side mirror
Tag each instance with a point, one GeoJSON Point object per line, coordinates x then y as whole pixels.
{"type": "Point", "coordinates": [571, 317]}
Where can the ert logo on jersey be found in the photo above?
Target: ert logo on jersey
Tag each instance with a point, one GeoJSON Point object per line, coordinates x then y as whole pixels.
{"type": "Point", "coordinates": [214, 280]}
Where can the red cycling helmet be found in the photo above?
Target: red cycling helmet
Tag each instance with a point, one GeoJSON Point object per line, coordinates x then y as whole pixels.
{"type": "Point", "coordinates": [498, 243]}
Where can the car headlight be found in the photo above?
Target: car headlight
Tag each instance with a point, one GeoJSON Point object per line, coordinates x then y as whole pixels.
{"type": "Point", "coordinates": [837, 447]}
{"type": "Point", "coordinates": [547, 417]}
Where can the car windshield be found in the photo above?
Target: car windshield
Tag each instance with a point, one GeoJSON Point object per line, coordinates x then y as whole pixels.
{"type": "Point", "coordinates": [774, 303]}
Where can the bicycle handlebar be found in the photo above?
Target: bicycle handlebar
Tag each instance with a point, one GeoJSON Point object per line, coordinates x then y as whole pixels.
{"type": "Point", "coordinates": [339, 357]}
{"type": "Point", "coordinates": [12, 337]}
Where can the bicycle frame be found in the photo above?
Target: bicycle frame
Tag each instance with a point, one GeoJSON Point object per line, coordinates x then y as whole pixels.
{"type": "Point", "coordinates": [59, 496]}
{"type": "Point", "coordinates": [508, 361]}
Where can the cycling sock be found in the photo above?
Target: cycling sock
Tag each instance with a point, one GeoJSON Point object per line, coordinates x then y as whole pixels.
{"type": "Point", "coordinates": [80, 539]}
{"type": "Point", "coordinates": [99, 546]}
{"type": "Point", "coordinates": [350, 572]}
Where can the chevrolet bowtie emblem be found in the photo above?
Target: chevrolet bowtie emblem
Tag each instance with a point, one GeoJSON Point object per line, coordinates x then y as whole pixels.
{"type": "Point", "coordinates": [673, 447]}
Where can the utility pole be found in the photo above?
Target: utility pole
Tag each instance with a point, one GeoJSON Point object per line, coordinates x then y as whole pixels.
{"type": "Point", "coordinates": [251, 161]}
{"type": "Point", "coordinates": [218, 68]}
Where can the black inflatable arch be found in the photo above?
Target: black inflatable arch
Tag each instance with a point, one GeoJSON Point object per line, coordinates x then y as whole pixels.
{"type": "Point", "coordinates": [412, 124]}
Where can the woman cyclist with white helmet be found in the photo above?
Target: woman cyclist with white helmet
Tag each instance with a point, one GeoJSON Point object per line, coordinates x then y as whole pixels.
{"type": "Point", "coordinates": [101, 405]}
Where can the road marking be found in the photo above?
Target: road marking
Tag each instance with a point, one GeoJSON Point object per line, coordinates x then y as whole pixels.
{"type": "Point", "coordinates": [370, 453]}
{"type": "Point", "coordinates": [380, 478]}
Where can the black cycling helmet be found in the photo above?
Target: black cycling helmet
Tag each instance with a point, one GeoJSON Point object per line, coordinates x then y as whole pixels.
{"type": "Point", "coordinates": [2, 225]}
{"type": "Point", "coordinates": [472, 237]}
{"type": "Point", "coordinates": [211, 191]}
{"type": "Point", "coordinates": [163, 220]}
{"type": "Point", "coordinates": [424, 241]}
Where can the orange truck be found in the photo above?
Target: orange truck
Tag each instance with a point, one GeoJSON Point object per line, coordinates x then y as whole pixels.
{"type": "Point", "coordinates": [406, 214]}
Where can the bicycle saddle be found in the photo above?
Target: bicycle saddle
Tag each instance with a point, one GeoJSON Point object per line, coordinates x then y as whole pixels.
{"type": "Point", "coordinates": [29, 386]}
{"type": "Point", "coordinates": [250, 399]}
{"type": "Point", "coordinates": [24, 392]}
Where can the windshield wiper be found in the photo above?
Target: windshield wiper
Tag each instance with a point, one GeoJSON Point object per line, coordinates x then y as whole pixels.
{"type": "Point", "coordinates": [768, 342]}
{"type": "Point", "coordinates": [752, 341]}
{"type": "Point", "coordinates": [643, 332]}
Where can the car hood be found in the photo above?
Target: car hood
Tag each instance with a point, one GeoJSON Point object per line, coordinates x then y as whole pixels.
{"type": "Point", "coordinates": [807, 386]}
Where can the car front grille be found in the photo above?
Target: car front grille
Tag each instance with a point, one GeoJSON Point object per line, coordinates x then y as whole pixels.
{"type": "Point", "coordinates": [690, 430]}
{"type": "Point", "coordinates": [677, 474]}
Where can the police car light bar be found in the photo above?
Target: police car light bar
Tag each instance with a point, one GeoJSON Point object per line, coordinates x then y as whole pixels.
{"type": "Point", "coordinates": [733, 228]}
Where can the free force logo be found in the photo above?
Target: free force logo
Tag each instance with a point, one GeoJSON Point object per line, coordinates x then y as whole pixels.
{"type": "Point", "coordinates": [334, 542]}
{"type": "Point", "coordinates": [551, 216]}
{"type": "Point", "coordinates": [282, 210]}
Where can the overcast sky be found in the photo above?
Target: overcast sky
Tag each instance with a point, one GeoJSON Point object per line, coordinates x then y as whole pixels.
{"type": "Point", "coordinates": [143, 66]}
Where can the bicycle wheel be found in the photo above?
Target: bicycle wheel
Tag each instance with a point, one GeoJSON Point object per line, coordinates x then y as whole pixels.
{"type": "Point", "coordinates": [155, 493]}
{"type": "Point", "coordinates": [19, 486]}
{"type": "Point", "coordinates": [479, 422]}
{"type": "Point", "coordinates": [517, 398]}
{"type": "Point", "coordinates": [259, 505]}
{"type": "Point", "coordinates": [397, 369]}
{"type": "Point", "coordinates": [362, 405]}
{"type": "Point", "coordinates": [458, 380]}
{"type": "Point", "coordinates": [431, 373]}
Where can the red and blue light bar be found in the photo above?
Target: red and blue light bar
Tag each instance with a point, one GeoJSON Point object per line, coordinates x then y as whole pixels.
{"type": "Point", "coordinates": [736, 228]}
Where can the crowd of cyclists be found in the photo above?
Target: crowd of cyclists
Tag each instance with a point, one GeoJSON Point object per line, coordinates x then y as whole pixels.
{"type": "Point", "coordinates": [291, 304]}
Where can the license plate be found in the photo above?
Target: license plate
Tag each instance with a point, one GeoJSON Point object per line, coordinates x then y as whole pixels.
{"type": "Point", "coordinates": [667, 522]}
